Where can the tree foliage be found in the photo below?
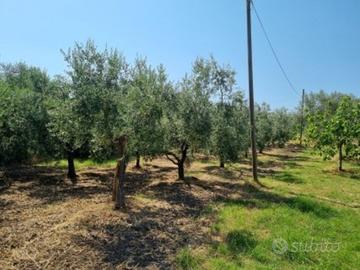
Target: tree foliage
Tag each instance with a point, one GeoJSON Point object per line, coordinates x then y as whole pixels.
{"type": "Point", "coordinates": [187, 118]}
{"type": "Point", "coordinates": [282, 126]}
{"type": "Point", "coordinates": [145, 101]}
{"type": "Point", "coordinates": [23, 116]}
{"type": "Point", "coordinates": [102, 98]}
{"type": "Point", "coordinates": [330, 131]}
{"type": "Point", "coordinates": [264, 126]}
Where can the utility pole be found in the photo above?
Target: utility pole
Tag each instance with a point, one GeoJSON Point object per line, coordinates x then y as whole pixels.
{"type": "Point", "coordinates": [302, 115]}
{"type": "Point", "coordinates": [251, 92]}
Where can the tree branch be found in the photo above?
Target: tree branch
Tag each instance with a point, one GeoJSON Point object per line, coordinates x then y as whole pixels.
{"type": "Point", "coordinates": [172, 160]}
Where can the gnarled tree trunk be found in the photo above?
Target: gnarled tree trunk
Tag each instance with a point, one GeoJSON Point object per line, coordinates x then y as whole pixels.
{"type": "Point", "coordinates": [118, 192]}
{"type": "Point", "coordinates": [71, 166]}
{"type": "Point", "coordinates": [179, 161]}
{"type": "Point", "coordinates": [181, 171]}
{"type": "Point", "coordinates": [120, 183]}
{"type": "Point", "coordinates": [222, 163]}
{"type": "Point", "coordinates": [137, 165]}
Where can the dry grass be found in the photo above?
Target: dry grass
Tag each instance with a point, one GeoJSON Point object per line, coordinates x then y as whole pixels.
{"type": "Point", "coordinates": [48, 223]}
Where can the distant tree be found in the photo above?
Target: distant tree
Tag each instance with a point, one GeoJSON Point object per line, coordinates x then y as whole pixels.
{"type": "Point", "coordinates": [331, 131]}
{"type": "Point", "coordinates": [240, 122]}
{"type": "Point", "coordinates": [229, 133]}
{"type": "Point", "coordinates": [283, 127]}
{"type": "Point", "coordinates": [222, 81]}
{"type": "Point", "coordinates": [264, 126]}
{"type": "Point", "coordinates": [322, 101]}
{"type": "Point", "coordinates": [316, 102]}
{"type": "Point", "coordinates": [22, 76]}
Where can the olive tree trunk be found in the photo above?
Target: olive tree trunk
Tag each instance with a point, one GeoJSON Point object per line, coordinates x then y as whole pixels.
{"type": "Point", "coordinates": [222, 163]}
{"type": "Point", "coordinates": [71, 166]}
{"type": "Point", "coordinates": [137, 165]}
{"type": "Point", "coordinates": [340, 168]}
{"type": "Point", "coordinates": [119, 193]}
{"type": "Point", "coordinates": [179, 161]}
{"type": "Point", "coordinates": [181, 171]}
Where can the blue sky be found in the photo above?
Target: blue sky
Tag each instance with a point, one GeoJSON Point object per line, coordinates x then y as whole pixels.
{"type": "Point", "coordinates": [317, 41]}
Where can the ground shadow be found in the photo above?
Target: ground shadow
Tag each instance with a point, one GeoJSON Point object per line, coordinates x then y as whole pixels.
{"type": "Point", "coordinates": [270, 164]}
{"type": "Point", "coordinates": [283, 157]}
{"type": "Point", "coordinates": [41, 174]}
{"type": "Point", "coordinates": [348, 173]}
{"type": "Point", "coordinates": [150, 236]}
{"type": "Point", "coordinates": [287, 178]}
{"type": "Point", "coordinates": [219, 189]}
{"type": "Point", "coordinates": [148, 239]}
{"type": "Point", "coordinates": [254, 197]}
{"type": "Point", "coordinates": [240, 241]}
{"type": "Point", "coordinates": [262, 172]}
{"type": "Point", "coordinates": [178, 194]}
{"type": "Point", "coordinates": [261, 198]}
{"type": "Point", "coordinates": [49, 185]}
{"type": "Point", "coordinates": [221, 172]}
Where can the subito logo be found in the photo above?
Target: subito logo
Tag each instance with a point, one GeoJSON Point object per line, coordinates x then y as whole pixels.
{"type": "Point", "coordinates": [279, 246]}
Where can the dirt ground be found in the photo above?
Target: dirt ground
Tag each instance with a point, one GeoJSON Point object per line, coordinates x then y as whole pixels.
{"type": "Point", "coordinates": [49, 223]}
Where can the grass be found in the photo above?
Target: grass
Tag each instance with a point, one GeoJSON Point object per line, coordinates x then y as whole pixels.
{"type": "Point", "coordinates": [308, 218]}
{"type": "Point", "coordinates": [310, 175]}
{"type": "Point", "coordinates": [79, 163]}
{"type": "Point", "coordinates": [186, 260]}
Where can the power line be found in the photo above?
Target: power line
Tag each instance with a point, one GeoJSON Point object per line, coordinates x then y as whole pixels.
{"type": "Point", "coordinates": [273, 50]}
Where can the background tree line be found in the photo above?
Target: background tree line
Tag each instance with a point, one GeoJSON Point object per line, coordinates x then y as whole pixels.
{"type": "Point", "coordinates": [102, 97]}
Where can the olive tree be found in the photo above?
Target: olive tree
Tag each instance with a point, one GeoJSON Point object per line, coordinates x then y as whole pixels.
{"type": "Point", "coordinates": [187, 118]}
{"type": "Point", "coordinates": [230, 138]}
{"type": "Point", "coordinates": [19, 122]}
{"type": "Point", "coordinates": [85, 108]}
{"type": "Point", "coordinates": [283, 126]}
{"type": "Point", "coordinates": [331, 131]}
{"type": "Point", "coordinates": [144, 109]}
{"type": "Point", "coordinates": [22, 76]}
{"type": "Point", "coordinates": [23, 116]}
{"type": "Point", "coordinates": [223, 136]}
{"type": "Point", "coordinates": [264, 126]}
{"type": "Point", "coordinates": [67, 127]}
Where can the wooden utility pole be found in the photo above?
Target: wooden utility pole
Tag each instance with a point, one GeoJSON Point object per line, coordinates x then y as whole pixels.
{"type": "Point", "coordinates": [302, 115]}
{"type": "Point", "coordinates": [251, 92]}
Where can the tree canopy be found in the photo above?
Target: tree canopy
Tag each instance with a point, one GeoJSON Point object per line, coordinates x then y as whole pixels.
{"type": "Point", "coordinates": [102, 97]}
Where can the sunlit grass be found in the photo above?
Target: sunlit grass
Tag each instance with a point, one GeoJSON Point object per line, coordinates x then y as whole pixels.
{"type": "Point", "coordinates": [310, 175]}
{"type": "Point", "coordinates": [80, 163]}
{"type": "Point", "coordinates": [308, 205]}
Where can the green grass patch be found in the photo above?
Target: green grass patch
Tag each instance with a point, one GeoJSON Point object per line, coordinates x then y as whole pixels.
{"type": "Point", "coordinates": [186, 261]}
{"type": "Point", "coordinates": [79, 163]}
{"type": "Point", "coordinates": [305, 220]}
